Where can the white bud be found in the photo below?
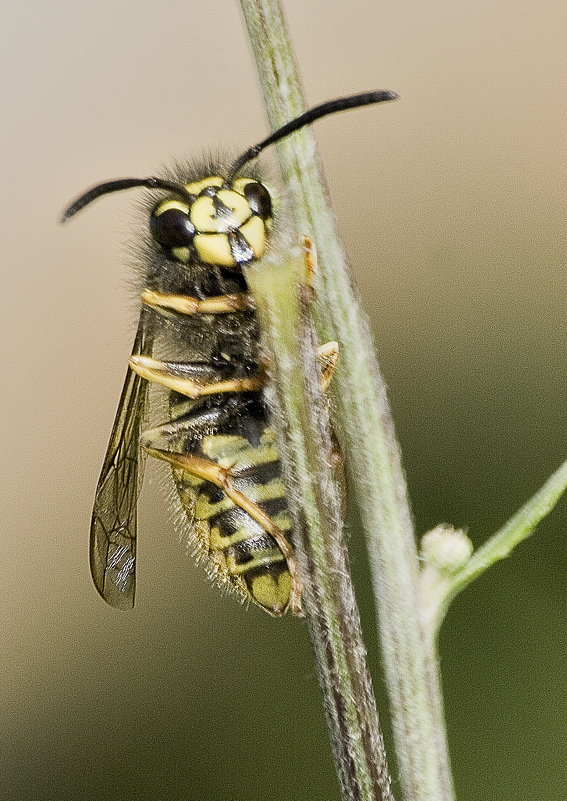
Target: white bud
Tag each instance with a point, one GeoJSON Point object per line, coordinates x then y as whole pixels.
{"type": "Point", "coordinates": [446, 549]}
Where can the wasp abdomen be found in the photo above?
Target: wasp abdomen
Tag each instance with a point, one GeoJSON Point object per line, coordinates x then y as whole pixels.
{"type": "Point", "coordinates": [234, 530]}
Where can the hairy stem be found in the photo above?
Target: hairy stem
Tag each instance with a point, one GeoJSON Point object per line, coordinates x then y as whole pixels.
{"type": "Point", "coordinates": [315, 503]}
{"type": "Point", "coordinates": [373, 461]}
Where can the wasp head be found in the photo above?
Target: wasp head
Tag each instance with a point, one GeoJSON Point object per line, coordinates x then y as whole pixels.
{"type": "Point", "coordinates": [214, 222]}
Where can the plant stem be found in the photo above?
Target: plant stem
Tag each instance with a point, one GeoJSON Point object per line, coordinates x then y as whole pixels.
{"type": "Point", "coordinates": [497, 547]}
{"type": "Point", "coordinates": [295, 401]}
{"type": "Point", "coordinates": [372, 456]}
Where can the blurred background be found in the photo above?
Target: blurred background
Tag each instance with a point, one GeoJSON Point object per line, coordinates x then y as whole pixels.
{"type": "Point", "coordinates": [452, 206]}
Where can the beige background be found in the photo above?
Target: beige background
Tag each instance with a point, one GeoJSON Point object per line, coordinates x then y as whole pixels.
{"type": "Point", "coordinates": [452, 207]}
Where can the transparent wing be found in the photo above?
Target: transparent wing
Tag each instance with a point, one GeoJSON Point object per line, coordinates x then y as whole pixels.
{"type": "Point", "coordinates": [114, 520]}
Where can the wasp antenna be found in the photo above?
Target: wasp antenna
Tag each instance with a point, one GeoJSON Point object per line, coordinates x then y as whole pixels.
{"type": "Point", "coordinates": [330, 107]}
{"type": "Point", "coordinates": [117, 186]}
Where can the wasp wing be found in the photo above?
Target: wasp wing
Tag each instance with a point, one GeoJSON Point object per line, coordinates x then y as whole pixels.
{"type": "Point", "coordinates": [114, 519]}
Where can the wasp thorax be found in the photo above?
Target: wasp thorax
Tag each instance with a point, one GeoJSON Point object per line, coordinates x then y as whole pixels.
{"type": "Point", "coordinates": [217, 222]}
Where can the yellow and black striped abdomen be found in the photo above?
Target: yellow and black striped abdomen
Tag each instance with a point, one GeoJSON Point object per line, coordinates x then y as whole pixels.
{"type": "Point", "coordinates": [233, 530]}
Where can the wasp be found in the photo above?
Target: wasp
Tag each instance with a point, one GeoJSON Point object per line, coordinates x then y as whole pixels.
{"type": "Point", "coordinates": [198, 337]}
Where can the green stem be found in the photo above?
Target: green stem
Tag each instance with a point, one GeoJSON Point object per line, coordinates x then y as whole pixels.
{"type": "Point", "coordinates": [373, 461]}
{"type": "Point", "coordinates": [300, 413]}
{"type": "Point", "coordinates": [497, 547]}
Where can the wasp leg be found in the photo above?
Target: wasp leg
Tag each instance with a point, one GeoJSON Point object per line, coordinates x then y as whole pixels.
{"type": "Point", "coordinates": [171, 375]}
{"type": "Point", "coordinates": [185, 304]}
{"type": "Point", "coordinates": [327, 354]}
{"type": "Point", "coordinates": [310, 259]}
{"type": "Point", "coordinates": [177, 376]}
{"type": "Point", "coordinates": [327, 357]}
{"type": "Point", "coordinates": [307, 288]}
{"type": "Point", "coordinates": [156, 443]}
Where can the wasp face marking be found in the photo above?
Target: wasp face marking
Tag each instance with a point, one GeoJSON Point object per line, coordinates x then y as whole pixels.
{"type": "Point", "coordinates": [220, 223]}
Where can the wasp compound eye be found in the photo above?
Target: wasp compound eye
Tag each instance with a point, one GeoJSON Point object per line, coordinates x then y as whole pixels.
{"type": "Point", "coordinates": [171, 226]}
{"type": "Point", "coordinates": [258, 199]}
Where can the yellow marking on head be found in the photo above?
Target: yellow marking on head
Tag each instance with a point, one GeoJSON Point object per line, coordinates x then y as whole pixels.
{"type": "Point", "coordinates": [254, 231]}
{"type": "Point", "coordinates": [214, 249]}
{"type": "Point", "coordinates": [207, 220]}
{"type": "Point", "coordinates": [237, 202]}
{"type": "Point", "coordinates": [271, 593]}
{"type": "Point", "coordinates": [197, 187]}
{"type": "Point", "coordinates": [181, 254]}
{"type": "Point", "coordinates": [239, 184]}
{"type": "Point", "coordinates": [170, 203]}
{"type": "Point", "coordinates": [203, 216]}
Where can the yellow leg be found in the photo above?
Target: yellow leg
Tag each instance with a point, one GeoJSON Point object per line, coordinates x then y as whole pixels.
{"type": "Point", "coordinates": [327, 354]}
{"type": "Point", "coordinates": [327, 357]}
{"type": "Point", "coordinates": [310, 258]}
{"type": "Point", "coordinates": [166, 374]}
{"type": "Point", "coordinates": [184, 304]}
